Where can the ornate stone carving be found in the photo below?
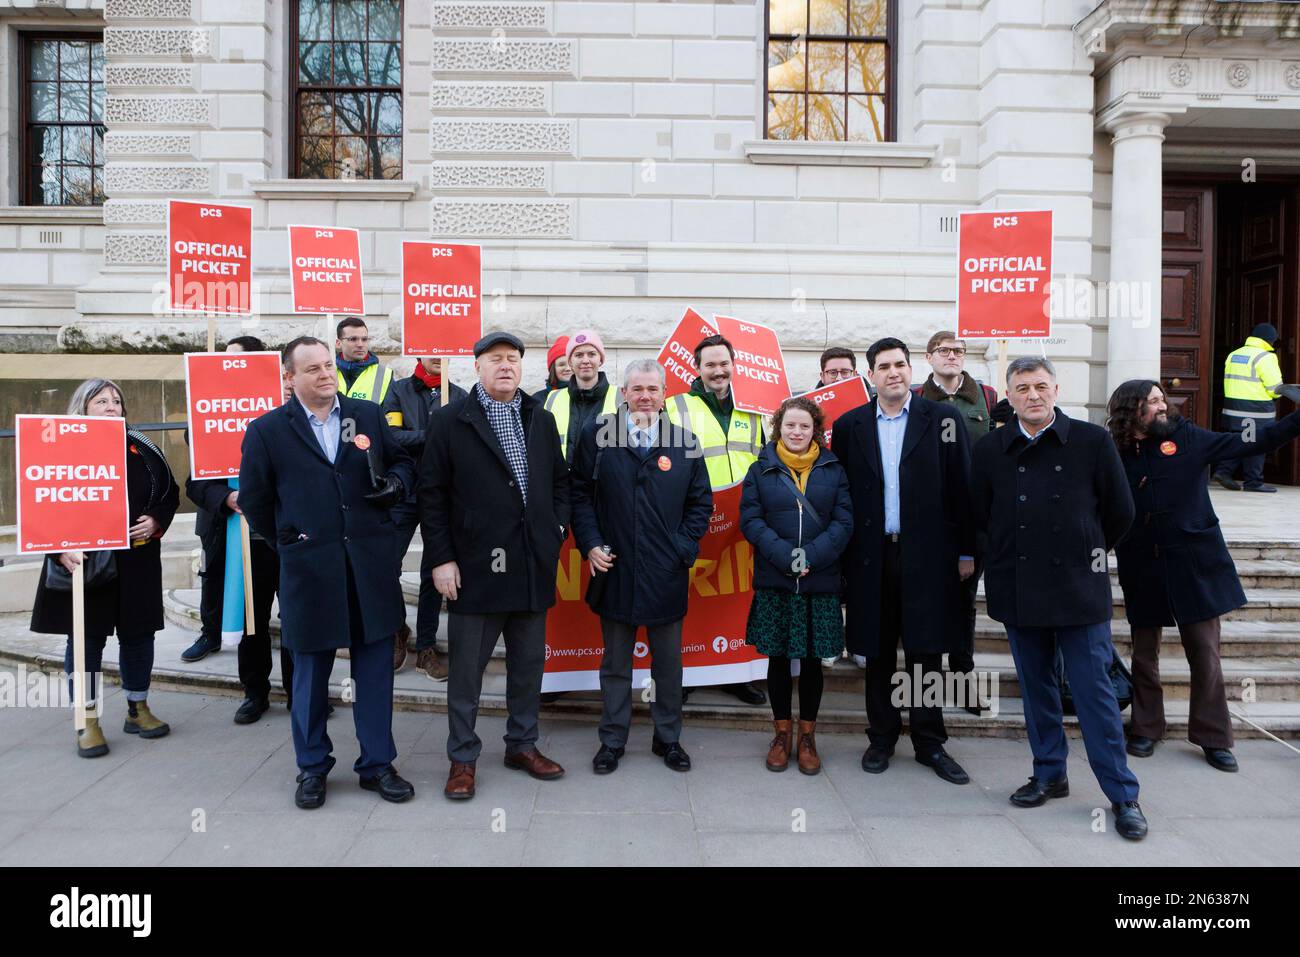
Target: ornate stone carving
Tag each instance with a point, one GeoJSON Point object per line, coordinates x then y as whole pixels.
{"type": "Point", "coordinates": [148, 9]}
{"type": "Point", "coordinates": [454, 177]}
{"type": "Point", "coordinates": [479, 97]}
{"type": "Point", "coordinates": [1291, 75]}
{"type": "Point", "coordinates": [118, 74]}
{"type": "Point", "coordinates": [502, 217]}
{"type": "Point", "coordinates": [156, 178]}
{"type": "Point", "coordinates": [1180, 73]}
{"type": "Point", "coordinates": [135, 249]}
{"type": "Point", "coordinates": [486, 16]}
{"type": "Point", "coordinates": [501, 136]}
{"type": "Point", "coordinates": [502, 56]}
{"type": "Point", "coordinates": [148, 144]}
{"type": "Point", "coordinates": [158, 110]}
{"type": "Point", "coordinates": [126, 212]}
{"type": "Point", "coordinates": [1238, 74]}
{"type": "Point", "coordinates": [163, 41]}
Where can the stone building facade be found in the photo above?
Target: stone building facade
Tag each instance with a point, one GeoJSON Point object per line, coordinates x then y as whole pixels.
{"type": "Point", "coordinates": [610, 156]}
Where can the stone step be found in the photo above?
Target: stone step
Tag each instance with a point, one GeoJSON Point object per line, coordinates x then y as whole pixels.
{"type": "Point", "coordinates": [1262, 604]}
{"type": "Point", "coordinates": [1238, 639]}
{"type": "Point", "coordinates": [841, 712]}
{"type": "Point", "coordinates": [1275, 678]}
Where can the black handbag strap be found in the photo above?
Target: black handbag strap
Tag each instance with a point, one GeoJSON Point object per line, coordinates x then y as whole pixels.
{"type": "Point", "coordinates": [803, 499]}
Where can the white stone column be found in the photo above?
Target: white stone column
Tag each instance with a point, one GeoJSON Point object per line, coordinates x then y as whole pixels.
{"type": "Point", "coordinates": [1133, 343]}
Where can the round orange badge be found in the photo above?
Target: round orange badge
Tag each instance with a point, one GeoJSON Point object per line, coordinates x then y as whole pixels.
{"type": "Point", "coordinates": [664, 463]}
{"type": "Point", "coordinates": [362, 442]}
{"type": "Point", "coordinates": [1169, 448]}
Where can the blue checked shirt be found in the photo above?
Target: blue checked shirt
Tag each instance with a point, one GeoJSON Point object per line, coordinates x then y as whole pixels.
{"type": "Point", "coordinates": [890, 432]}
{"type": "Point", "coordinates": [327, 432]}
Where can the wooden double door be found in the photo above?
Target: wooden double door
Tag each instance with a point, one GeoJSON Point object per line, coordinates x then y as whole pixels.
{"type": "Point", "coordinates": [1231, 260]}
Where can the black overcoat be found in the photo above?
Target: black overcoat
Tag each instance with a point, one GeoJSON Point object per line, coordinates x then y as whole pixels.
{"type": "Point", "coordinates": [1046, 514]}
{"type": "Point", "coordinates": [934, 526]}
{"type": "Point", "coordinates": [315, 514]}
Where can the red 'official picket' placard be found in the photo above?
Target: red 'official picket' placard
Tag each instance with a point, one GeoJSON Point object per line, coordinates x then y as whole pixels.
{"type": "Point", "coordinates": [678, 353]}
{"type": "Point", "coordinates": [71, 483]}
{"type": "Point", "coordinates": [1004, 267]}
{"type": "Point", "coordinates": [224, 392]}
{"type": "Point", "coordinates": [758, 380]}
{"type": "Point", "coordinates": [209, 258]}
{"type": "Point", "coordinates": [325, 269]}
{"type": "Point", "coordinates": [837, 398]}
{"type": "Point", "coordinates": [442, 312]}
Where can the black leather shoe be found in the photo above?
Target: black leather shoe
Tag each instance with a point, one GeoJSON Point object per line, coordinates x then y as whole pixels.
{"type": "Point", "coordinates": [944, 766]}
{"type": "Point", "coordinates": [1220, 758]}
{"type": "Point", "coordinates": [606, 760]}
{"type": "Point", "coordinates": [1259, 488]}
{"type": "Point", "coordinates": [1129, 820]}
{"type": "Point", "coordinates": [1227, 481]}
{"type": "Point", "coordinates": [876, 760]}
{"type": "Point", "coordinates": [1140, 747]}
{"type": "Point", "coordinates": [673, 754]}
{"type": "Point", "coordinates": [251, 710]}
{"type": "Point", "coordinates": [311, 791]}
{"type": "Point", "coordinates": [201, 649]}
{"type": "Point", "coordinates": [1036, 792]}
{"type": "Point", "coordinates": [390, 785]}
{"type": "Point", "coordinates": [746, 692]}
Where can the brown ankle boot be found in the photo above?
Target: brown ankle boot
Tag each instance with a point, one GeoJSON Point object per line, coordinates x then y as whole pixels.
{"type": "Point", "coordinates": [809, 763]}
{"type": "Point", "coordinates": [778, 758]}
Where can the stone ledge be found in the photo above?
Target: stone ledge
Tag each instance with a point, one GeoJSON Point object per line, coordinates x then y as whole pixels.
{"type": "Point", "coordinates": [51, 215]}
{"type": "Point", "coordinates": [811, 153]}
{"type": "Point", "coordinates": [333, 188]}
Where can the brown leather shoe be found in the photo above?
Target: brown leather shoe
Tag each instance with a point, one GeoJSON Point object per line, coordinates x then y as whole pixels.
{"type": "Point", "coordinates": [399, 647]}
{"type": "Point", "coordinates": [431, 664]}
{"type": "Point", "coordinates": [460, 782]}
{"type": "Point", "coordinates": [539, 766]}
{"type": "Point", "coordinates": [778, 758]}
{"type": "Point", "coordinates": [809, 762]}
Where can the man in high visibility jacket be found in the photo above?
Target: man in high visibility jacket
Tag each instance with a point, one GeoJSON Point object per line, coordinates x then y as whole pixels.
{"type": "Point", "coordinates": [1251, 378]}
{"type": "Point", "coordinates": [729, 439]}
{"type": "Point", "coordinates": [361, 374]}
{"type": "Point", "coordinates": [588, 393]}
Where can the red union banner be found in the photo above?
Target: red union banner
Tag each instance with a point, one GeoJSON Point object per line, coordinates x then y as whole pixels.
{"type": "Point", "coordinates": [224, 392]}
{"type": "Point", "coordinates": [759, 380]}
{"type": "Point", "coordinates": [837, 398]}
{"type": "Point", "coordinates": [209, 258]}
{"type": "Point", "coordinates": [678, 353]}
{"type": "Point", "coordinates": [441, 299]}
{"type": "Point", "coordinates": [325, 270]}
{"type": "Point", "coordinates": [71, 483]}
{"type": "Point", "coordinates": [1004, 271]}
{"type": "Point", "coordinates": [713, 633]}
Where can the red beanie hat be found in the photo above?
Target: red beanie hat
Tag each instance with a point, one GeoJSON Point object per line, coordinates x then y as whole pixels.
{"type": "Point", "coordinates": [556, 351]}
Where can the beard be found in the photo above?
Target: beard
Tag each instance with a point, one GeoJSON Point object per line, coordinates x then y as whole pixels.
{"type": "Point", "coordinates": [1162, 428]}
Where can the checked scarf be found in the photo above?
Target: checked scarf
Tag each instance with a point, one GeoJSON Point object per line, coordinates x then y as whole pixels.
{"type": "Point", "coordinates": [509, 429]}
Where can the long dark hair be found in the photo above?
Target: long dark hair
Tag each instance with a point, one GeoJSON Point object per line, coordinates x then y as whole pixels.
{"type": "Point", "coordinates": [1124, 411]}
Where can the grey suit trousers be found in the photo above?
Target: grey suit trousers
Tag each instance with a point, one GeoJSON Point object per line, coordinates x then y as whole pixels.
{"type": "Point", "coordinates": [470, 641]}
{"type": "Point", "coordinates": [665, 643]}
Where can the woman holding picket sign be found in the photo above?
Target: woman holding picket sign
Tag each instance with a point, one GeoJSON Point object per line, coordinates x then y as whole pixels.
{"type": "Point", "coordinates": [796, 512]}
{"type": "Point", "coordinates": [123, 588]}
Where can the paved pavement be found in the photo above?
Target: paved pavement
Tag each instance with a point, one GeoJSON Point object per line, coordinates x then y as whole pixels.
{"type": "Point", "coordinates": [220, 794]}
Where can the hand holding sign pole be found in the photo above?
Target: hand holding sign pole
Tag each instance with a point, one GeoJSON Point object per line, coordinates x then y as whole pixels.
{"type": "Point", "coordinates": [1004, 271]}
{"type": "Point", "coordinates": [72, 497]}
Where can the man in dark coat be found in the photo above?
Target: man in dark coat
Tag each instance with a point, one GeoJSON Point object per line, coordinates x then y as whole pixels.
{"type": "Point", "coordinates": [494, 510]}
{"type": "Point", "coordinates": [318, 477]}
{"type": "Point", "coordinates": [907, 462]}
{"type": "Point", "coordinates": [1174, 566]}
{"type": "Point", "coordinates": [641, 504]}
{"type": "Point", "coordinates": [1049, 500]}
{"type": "Point", "coordinates": [407, 407]}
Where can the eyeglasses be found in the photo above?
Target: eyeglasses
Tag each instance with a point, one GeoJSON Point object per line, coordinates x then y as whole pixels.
{"type": "Point", "coordinates": [834, 375]}
{"type": "Point", "coordinates": [949, 351]}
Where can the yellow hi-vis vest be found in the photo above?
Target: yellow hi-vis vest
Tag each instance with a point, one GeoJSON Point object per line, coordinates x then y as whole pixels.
{"type": "Point", "coordinates": [728, 455]}
{"type": "Point", "coordinates": [363, 386]}
{"type": "Point", "coordinates": [559, 403]}
{"type": "Point", "coordinates": [1250, 377]}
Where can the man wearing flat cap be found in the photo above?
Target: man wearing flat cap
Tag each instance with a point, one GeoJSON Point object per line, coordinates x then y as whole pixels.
{"type": "Point", "coordinates": [494, 510]}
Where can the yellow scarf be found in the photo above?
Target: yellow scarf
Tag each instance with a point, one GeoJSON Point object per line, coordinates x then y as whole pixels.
{"type": "Point", "coordinates": [800, 465]}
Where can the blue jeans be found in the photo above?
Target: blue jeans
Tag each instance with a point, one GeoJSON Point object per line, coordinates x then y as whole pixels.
{"type": "Point", "coordinates": [1087, 653]}
{"type": "Point", "coordinates": [135, 663]}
